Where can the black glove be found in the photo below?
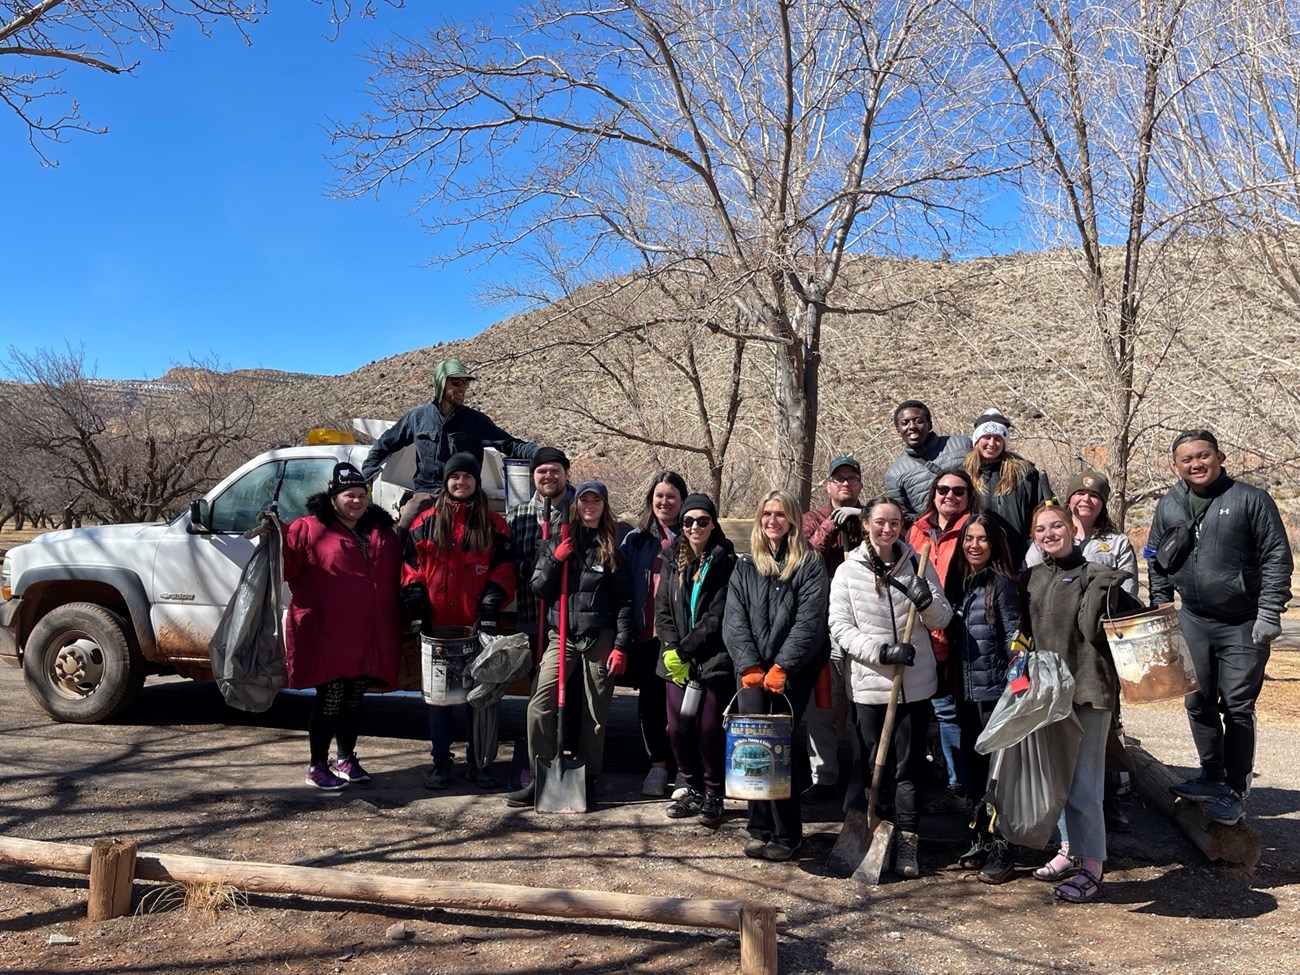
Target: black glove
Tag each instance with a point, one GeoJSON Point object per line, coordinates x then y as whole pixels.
{"type": "Point", "coordinates": [487, 626]}
{"type": "Point", "coordinates": [914, 588]}
{"type": "Point", "coordinates": [415, 600]}
{"type": "Point", "coordinates": [899, 653]}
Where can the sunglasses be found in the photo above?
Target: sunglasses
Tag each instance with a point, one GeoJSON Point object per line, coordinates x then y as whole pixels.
{"type": "Point", "coordinates": [703, 521]}
{"type": "Point", "coordinates": [458, 382]}
{"type": "Point", "coordinates": [944, 489]}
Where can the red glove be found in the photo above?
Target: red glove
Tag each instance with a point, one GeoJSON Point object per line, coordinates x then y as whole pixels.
{"type": "Point", "coordinates": [751, 677]}
{"type": "Point", "coordinates": [775, 679]}
{"type": "Point", "coordinates": [616, 663]}
{"type": "Point", "coordinates": [564, 550]}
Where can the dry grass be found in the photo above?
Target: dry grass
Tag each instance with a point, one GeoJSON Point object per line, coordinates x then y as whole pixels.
{"type": "Point", "coordinates": [205, 899]}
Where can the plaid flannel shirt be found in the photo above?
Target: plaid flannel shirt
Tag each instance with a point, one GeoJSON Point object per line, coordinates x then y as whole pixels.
{"type": "Point", "coordinates": [525, 521]}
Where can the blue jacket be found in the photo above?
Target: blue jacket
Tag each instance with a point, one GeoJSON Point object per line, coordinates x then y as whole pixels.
{"type": "Point", "coordinates": [980, 645]}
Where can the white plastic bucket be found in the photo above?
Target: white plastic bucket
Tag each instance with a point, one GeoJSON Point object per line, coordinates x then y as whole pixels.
{"type": "Point", "coordinates": [519, 481]}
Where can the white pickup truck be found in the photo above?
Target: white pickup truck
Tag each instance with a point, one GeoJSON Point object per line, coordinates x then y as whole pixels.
{"type": "Point", "coordinates": [90, 612]}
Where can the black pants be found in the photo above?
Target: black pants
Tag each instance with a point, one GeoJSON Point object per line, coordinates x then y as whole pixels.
{"type": "Point", "coordinates": [336, 716]}
{"type": "Point", "coordinates": [1230, 672]}
{"type": "Point", "coordinates": [651, 704]}
{"type": "Point", "coordinates": [781, 820]}
{"type": "Point", "coordinates": [904, 765]}
{"type": "Point", "coordinates": [972, 718]}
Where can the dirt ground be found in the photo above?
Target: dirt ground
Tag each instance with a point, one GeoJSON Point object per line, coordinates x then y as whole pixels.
{"type": "Point", "coordinates": [180, 773]}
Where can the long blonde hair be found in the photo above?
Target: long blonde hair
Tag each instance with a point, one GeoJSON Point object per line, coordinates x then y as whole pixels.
{"type": "Point", "coordinates": [797, 547]}
{"type": "Point", "coordinates": [1015, 469]}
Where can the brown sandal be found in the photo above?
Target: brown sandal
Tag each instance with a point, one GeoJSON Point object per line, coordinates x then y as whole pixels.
{"type": "Point", "coordinates": [1051, 875]}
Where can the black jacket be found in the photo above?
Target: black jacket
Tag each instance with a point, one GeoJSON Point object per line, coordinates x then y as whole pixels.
{"type": "Point", "coordinates": [1241, 560]}
{"type": "Point", "coordinates": [1015, 509]}
{"type": "Point", "coordinates": [701, 643]}
{"type": "Point", "coordinates": [598, 599]}
{"type": "Point", "coordinates": [768, 621]}
{"type": "Point", "coordinates": [980, 646]}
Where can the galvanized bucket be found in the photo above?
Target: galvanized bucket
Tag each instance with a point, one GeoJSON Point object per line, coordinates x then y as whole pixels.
{"type": "Point", "coordinates": [1151, 656]}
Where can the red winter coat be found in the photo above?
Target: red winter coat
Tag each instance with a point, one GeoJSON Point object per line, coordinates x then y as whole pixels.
{"type": "Point", "coordinates": [344, 619]}
{"type": "Point", "coordinates": [463, 586]}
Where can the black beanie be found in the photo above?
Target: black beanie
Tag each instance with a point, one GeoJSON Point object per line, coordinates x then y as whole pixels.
{"type": "Point", "coordinates": [345, 476]}
{"type": "Point", "coordinates": [548, 455]}
{"type": "Point", "coordinates": [699, 502]}
{"type": "Point", "coordinates": [462, 463]}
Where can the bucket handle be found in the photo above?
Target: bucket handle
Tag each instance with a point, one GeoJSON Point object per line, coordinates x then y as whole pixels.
{"type": "Point", "coordinates": [726, 712]}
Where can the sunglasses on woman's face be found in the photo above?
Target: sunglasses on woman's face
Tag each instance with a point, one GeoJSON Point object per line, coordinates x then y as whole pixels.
{"type": "Point", "coordinates": [703, 521]}
{"type": "Point", "coordinates": [958, 490]}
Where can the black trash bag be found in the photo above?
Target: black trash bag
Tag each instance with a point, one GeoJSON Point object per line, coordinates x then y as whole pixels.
{"type": "Point", "coordinates": [247, 648]}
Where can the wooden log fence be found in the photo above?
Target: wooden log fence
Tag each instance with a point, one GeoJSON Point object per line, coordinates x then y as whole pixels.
{"type": "Point", "coordinates": [757, 924]}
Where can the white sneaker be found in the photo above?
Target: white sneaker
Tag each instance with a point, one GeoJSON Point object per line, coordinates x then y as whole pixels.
{"type": "Point", "coordinates": [679, 787]}
{"type": "Point", "coordinates": [656, 783]}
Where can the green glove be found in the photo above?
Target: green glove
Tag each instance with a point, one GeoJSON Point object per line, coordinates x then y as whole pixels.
{"type": "Point", "coordinates": [679, 671]}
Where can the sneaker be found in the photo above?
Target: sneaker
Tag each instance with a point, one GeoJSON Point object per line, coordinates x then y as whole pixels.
{"type": "Point", "coordinates": [711, 811]}
{"type": "Point", "coordinates": [656, 783]}
{"type": "Point", "coordinates": [1000, 864]}
{"type": "Point", "coordinates": [347, 767]}
{"type": "Point", "coordinates": [321, 777]}
{"type": "Point", "coordinates": [439, 778]}
{"type": "Point", "coordinates": [755, 848]}
{"type": "Point", "coordinates": [1229, 809]}
{"type": "Point", "coordinates": [949, 802]}
{"type": "Point", "coordinates": [779, 852]}
{"type": "Point", "coordinates": [521, 797]}
{"type": "Point", "coordinates": [680, 787]}
{"type": "Point", "coordinates": [481, 778]}
{"type": "Point", "coordinates": [1200, 789]}
{"type": "Point", "coordinates": [818, 793]}
{"type": "Point", "coordinates": [687, 806]}
{"type": "Point", "coordinates": [906, 850]}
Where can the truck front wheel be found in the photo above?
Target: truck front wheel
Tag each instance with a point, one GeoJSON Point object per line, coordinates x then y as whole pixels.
{"type": "Point", "coordinates": [79, 665]}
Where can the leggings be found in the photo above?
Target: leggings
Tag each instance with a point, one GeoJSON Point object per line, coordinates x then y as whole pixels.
{"type": "Point", "coordinates": [336, 716]}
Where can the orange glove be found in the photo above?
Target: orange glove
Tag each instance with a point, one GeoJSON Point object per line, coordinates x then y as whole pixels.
{"type": "Point", "coordinates": [751, 677]}
{"type": "Point", "coordinates": [616, 663]}
{"type": "Point", "coordinates": [775, 679]}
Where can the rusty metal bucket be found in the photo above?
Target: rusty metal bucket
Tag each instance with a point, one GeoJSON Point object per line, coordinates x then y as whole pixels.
{"type": "Point", "coordinates": [1151, 656]}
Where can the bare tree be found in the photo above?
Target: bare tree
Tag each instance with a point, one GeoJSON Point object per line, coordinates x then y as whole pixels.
{"type": "Point", "coordinates": [753, 147]}
{"type": "Point", "coordinates": [136, 451]}
{"type": "Point", "coordinates": [39, 39]}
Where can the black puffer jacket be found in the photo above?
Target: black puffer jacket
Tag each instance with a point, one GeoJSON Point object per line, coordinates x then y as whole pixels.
{"type": "Point", "coordinates": [768, 621]}
{"type": "Point", "coordinates": [598, 599]}
{"type": "Point", "coordinates": [1015, 509]}
{"type": "Point", "coordinates": [980, 646]}
{"type": "Point", "coordinates": [701, 643]}
{"type": "Point", "coordinates": [1241, 562]}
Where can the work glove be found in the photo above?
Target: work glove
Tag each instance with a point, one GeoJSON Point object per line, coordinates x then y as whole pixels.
{"type": "Point", "coordinates": [1020, 643]}
{"type": "Point", "coordinates": [752, 677]}
{"type": "Point", "coordinates": [616, 662]}
{"type": "Point", "coordinates": [1267, 628]}
{"type": "Point", "coordinates": [419, 502]}
{"type": "Point", "coordinates": [774, 679]}
{"type": "Point", "coordinates": [914, 588]}
{"type": "Point", "coordinates": [679, 671]}
{"type": "Point", "coordinates": [844, 517]}
{"type": "Point", "coordinates": [564, 550]}
{"type": "Point", "coordinates": [488, 626]}
{"type": "Point", "coordinates": [415, 601]}
{"type": "Point", "coordinates": [898, 653]}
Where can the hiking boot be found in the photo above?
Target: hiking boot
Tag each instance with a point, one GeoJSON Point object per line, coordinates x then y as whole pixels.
{"type": "Point", "coordinates": [1200, 789]}
{"type": "Point", "coordinates": [779, 852]}
{"type": "Point", "coordinates": [321, 777]}
{"type": "Point", "coordinates": [687, 806]}
{"type": "Point", "coordinates": [481, 778]}
{"type": "Point", "coordinates": [1116, 821]}
{"type": "Point", "coordinates": [1000, 864]}
{"type": "Point", "coordinates": [521, 797]}
{"type": "Point", "coordinates": [439, 778]}
{"type": "Point", "coordinates": [973, 858]}
{"type": "Point", "coordinates": [1229, 809]}
{"type": "Point", "coordinates": [755, 848]}
{"type": "Point", "coordinates": [656, 783]}
{"type": "Point", "coordinates": [711, 811]}
{"type": "Point", "coordinates": [347, 767]}
{"type": "Point", "coordinates": [949, 803]}
{"type": "Point", "coordinates": [905, 852]}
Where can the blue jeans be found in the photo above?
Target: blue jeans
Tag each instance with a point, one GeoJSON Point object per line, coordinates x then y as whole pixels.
{"type": "Point", "coordinates": [945, 710]}
{"type": "Point", "coordinates": [440, 734]}
{"type": "Point", "coordinates": [1082, 823]}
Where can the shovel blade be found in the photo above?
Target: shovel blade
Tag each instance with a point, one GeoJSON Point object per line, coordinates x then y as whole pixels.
{"type": "Point", "coordinates": [561, 786]}
{"type": "Point", "coordinates": [873, 864]}
{"type": "Point", "coordinates": [851, 845]}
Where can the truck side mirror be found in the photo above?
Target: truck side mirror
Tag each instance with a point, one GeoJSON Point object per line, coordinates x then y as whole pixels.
{"type": "Point", "coordinates": [199, 515]}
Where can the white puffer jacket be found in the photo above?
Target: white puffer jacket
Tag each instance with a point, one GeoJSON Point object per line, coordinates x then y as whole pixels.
{"type": "Point", "coordinates": [861, 623]}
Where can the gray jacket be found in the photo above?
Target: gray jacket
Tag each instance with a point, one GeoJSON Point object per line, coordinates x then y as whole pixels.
{"type": "Point", "coordinates": [1241, 560]}
{"type": "Point", "coordinates": [910, 474]}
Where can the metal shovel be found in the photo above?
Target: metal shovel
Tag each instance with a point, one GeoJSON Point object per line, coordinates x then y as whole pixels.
{"type": "Point", "coordinates": [863, 845]}
{"type": "Point", "coordinates": [561, 782]}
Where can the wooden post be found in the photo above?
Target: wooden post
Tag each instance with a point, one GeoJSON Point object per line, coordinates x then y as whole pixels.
{"type": "Point", "coordinates": [112, 867]}
{"type": "Point", "coordinates": [758, 940]}
{"type": "Point", "coordinates": [1237, 845]}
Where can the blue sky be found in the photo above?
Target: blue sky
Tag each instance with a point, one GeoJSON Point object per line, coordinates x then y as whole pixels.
{"type": "Point", "coordinates": [200, 225]}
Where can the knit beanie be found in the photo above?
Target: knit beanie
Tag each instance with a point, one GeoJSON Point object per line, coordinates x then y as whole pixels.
{"type": "Point", "coordinates": [991, 423]}
{"type": "Point", "coordinates": [1089, 480]}
{"type": "Point", "coordinates": [700, 502]}
{"type": "Point", "coordinates": [345, 476]}
{"type": "Point", "coordinates": [548, 455]}
{"type": "Point", "coordinates": [463, 462]}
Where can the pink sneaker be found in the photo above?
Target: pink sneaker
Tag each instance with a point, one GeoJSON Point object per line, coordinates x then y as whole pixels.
{"type": "Point", "coordinates": [322, 778]}
{"type": "Point", "coordinates": [347, 767]}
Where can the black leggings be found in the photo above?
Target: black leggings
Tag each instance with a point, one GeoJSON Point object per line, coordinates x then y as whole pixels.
{"type": "Point", "coordinates": [336, 716]}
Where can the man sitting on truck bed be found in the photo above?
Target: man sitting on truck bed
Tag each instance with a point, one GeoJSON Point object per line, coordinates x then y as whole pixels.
{"type": "Point", "coordinates": [442, 427]}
